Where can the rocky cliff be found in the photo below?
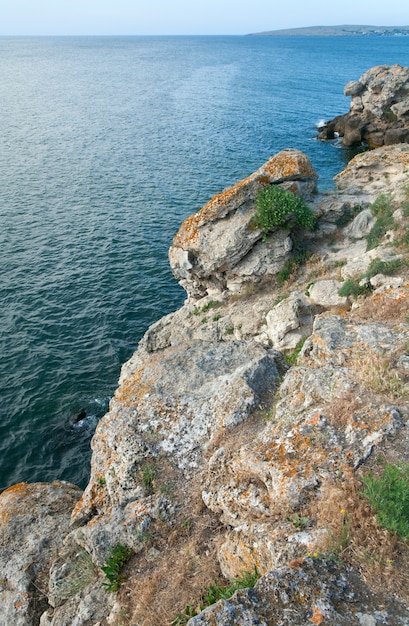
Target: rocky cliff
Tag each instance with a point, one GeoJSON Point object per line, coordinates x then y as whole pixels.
{"type": "Point", "coordinates": [379, 111]}
{"type": "Point", "coordinates": [242, 427]}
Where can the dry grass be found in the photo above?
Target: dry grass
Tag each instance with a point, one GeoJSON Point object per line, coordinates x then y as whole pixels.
{"type": "Point", "coordinates": [355, 537]}
{"type": "Point", "coordinates": [179, 559]}
{"type": "Point", "coordinates": [377, 373]}
{"type": "Point", "coordinates": [174, 572]}
{"type": "Point", "coordinates": [384, 307]}
{"type": "Point", "coordinates": [340, 412]}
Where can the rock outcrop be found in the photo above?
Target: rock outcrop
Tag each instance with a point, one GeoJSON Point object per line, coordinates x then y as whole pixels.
{"type": "Point", "coordinates": [240, 428]}
{"type": "Point", "coordinates": [379, 110]}
{"type": "Point", "coordinates": [218, 248]}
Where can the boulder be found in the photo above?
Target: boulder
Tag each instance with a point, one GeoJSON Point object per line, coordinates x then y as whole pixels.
{"type": "Point", "coordinates": [379, 110]}
{"type": "Point", "coordinates": [324, 294]}
{"type": "Point", "coordinates": [289, 321]}
{"type": "Point", "coordinates": [218, 246]}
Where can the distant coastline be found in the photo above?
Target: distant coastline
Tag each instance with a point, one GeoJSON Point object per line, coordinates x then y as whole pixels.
{"type": "Point", "coordinates": [340, 31]}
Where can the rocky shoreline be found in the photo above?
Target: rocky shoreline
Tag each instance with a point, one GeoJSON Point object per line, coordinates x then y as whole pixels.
{"type": "Point", "coordinates": [242, 426]}
{"type": "Point", "coordinates": [379, 110]}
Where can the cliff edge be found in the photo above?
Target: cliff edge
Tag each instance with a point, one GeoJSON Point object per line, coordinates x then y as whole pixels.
{"type": "Point", "coordinates": [238, 441]}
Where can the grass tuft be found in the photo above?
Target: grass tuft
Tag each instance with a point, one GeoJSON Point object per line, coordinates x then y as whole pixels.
{"type": "Point", "coordinates": [388, 495]}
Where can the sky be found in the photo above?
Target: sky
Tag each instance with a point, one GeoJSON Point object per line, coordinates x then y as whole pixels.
{"type": "Point", "coordinates": [189, 17]}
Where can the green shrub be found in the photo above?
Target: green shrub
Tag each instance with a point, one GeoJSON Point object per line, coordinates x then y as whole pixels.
{"type": "Point", "coordinates": [291, 357]}
{"type": "Point", "coordinates": [353, 288]}
{"type": "Point", "coordinates": [389, 268]}
{"type": "Point", "coordinates": [276, 207]}
{"type": "Point", "coordinates": [379, 230]}
{"type": "Point", "coordinates": [113, 566]}
{"type": "Point", "coordinates": [382, 208]}
{"type": "Point", "coordinates": [148, 473]}
{"type": "Point", "coordinates": [383, 205]}
{"type": "Point", "coordinates": [389, 497]}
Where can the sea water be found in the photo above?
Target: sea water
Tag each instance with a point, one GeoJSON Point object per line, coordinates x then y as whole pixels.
{"type": "Point", "coordinates": [107, 144]}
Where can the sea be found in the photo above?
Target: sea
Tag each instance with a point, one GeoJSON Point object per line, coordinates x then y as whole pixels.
{"type": "Point", "coordinates": [106, 145]}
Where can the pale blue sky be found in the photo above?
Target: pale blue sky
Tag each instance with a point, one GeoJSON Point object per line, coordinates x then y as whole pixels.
{"type": "Point", "coordinates": [195, 17]}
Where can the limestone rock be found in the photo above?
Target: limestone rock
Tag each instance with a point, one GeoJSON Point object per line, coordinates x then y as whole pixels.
{"type": "Point", "coordinates": [361, 225]}
{"type": "Point", "coordinates": [215, 247]}
{"type": "Point", "coordinates": [308, 591]}
{"type": "Point", "coordinates": [170, 403]}
{"type": "Point", "coordinates": [34, 520]}
{"type": "Point", "coordinates": [324, 293]}
{"type": "Point", "coordinates": [379, 109]}
{"type": "Point", "coordinates": [289, 321]}
{"type": "Point", "coordinates": [377, 171]}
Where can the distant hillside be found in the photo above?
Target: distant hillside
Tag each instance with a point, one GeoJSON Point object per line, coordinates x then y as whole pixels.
{"type": "Point", "coordinates": [341, 31]}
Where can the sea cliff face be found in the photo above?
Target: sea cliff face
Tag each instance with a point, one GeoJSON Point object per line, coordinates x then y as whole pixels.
{"type": "Point", "coordinates": [242, 426]}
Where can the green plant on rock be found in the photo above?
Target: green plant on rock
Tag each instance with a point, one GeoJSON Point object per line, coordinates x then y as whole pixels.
{"type": "Point", "coordinates": [277, 207]}
{"type": "Point", "coordinates": [113, 566]}
{"type": "Point", "coordinates": [148, 473]}
{"type": "Point", "coordinates": [353, 288]}
{"type": "Point", "coordinates": [382, 208]}
{"type": "Point", "coordinates": [389, 268]}
{"type": "Point", "coordinates": [217, 592]}
{"type": "Point", "coordinates": [78, 573]}
{"type": "Point", "coordinates": [291, 265]}
{"type": "Point", "coordinates": [388, 495]}
{"type": "Point", "coordinates": [291, 357]}
{"type": "Point", "coordinates": [298, 521]}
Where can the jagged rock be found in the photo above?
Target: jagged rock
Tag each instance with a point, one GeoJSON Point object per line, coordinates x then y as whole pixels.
{"type": "Point", "coordinates": [382, 283]}
{"type": "Point", "coordinates": [376, 171]}
{"type": "Point", "coordinates": [379, 111]}
{"type": "Point", "coordinates": [289, 321]}
{"type": "Point", "coordinates": [244, 440]}
{"type": "Point", "coordinates": [34, 520]}
{"type": "Point", "coordinates": [309, 591]}
{"type": "Point", "coordinates": [215, 247]}
{"type": "Point", "coordinates": [171, 403]}
{"type": "Point", "coordinates": [298, 450]}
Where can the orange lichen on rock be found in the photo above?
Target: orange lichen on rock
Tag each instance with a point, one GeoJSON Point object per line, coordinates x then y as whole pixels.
{"type": "Point", "coordinates": [317, 617]}
{"type": "Point", "coordinates": [286, 165]}
{"type": "Point", "coordinates": [290, 164]}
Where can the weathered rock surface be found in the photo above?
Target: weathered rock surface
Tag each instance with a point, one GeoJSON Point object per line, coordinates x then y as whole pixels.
{"type": "Point", "coordinates": [34, 520]}
{"type": "Point", "coordinates": [376, 171]}
{"type": "Point", "coordinates": [309, 591]}
{"type": "Point", "coordinates": [379, 111]}
{"type": "Point", "coordinates": [214, 248]}
{"type": "Point", "coordinates": [209, 422]}
{"type": "Point", "coordinates": [289, 321]}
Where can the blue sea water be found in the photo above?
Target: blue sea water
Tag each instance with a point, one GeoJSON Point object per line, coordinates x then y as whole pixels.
{"type": "Point", "coordinates": [107, 144]}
